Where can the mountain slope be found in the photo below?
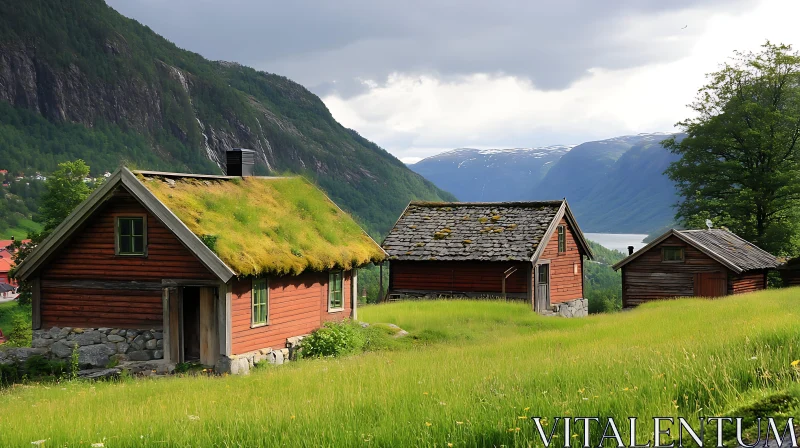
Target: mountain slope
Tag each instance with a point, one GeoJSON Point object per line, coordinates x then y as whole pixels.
{"type": "Point", "coordinates": [79, 80]}
{"type": "Point", "coordinates": [474, 173]}
{"type": "Point", "coordinates": [592, 161]}
{"type": "Point", "coordinates": [613, 186]}
{"type": "Point", "coordinates": [635, 196]}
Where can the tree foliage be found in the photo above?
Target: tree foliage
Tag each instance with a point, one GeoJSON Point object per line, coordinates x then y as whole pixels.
{"type": "Point", "coordinates": [740, 161]}
{"type": "Point", "coordinates": [64, 190]}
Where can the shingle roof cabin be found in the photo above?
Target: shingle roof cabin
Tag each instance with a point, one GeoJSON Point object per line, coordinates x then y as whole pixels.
{"type": "Point", "coordinates": [255, 260]}
{"type": "Point", "coordinates": [488, 248]}
{"type": "Point", "coordinates": [684, 263]}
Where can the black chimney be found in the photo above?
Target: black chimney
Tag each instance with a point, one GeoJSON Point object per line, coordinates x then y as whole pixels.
{"type": "Point", "coordinates": [630, 250]}
{"type": "Point", "coordinates": [240, 162]}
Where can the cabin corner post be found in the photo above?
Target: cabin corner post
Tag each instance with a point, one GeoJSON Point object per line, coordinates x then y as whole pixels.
{"type": "Point", "coordinates": [165, 323]}
{"type": "Point", "coordinates": [36, 303]}
{"type": "Point", "coordinates": [529, 284]}
{"type": "Point", "coordinates": [224, 318]}
{"type": "Point", "coordinates": [354, 292]}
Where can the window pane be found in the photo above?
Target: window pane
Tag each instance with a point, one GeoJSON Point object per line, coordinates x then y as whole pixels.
{"type": "Point", "coordinates": [138, 244]}
{"type": "Point", "coordinates": [335, 290]}
{"type": "Point", "coordinates": [259, 298]}
{"type": "Point", "coordinates": [138, 226]}
{"type": "Point", "coordinates": [124, 244]}
{"type": "Point", "coordinates": [124, 226]}
{"type": "Point", "coordinates": [544, 271]}
{"type": "Point", "coordinates": [673, 254]}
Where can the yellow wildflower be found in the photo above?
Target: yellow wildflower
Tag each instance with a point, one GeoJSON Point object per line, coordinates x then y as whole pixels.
{"type": "Point", "coordinates": [459, 423]}
{"type": "Point", "coordinates": [527, 409]}
{"type": "Point", "coordinates": [449, 444]}
{"type": "Point", "coordinates": [427, 423]}
{"type": "Point", "coordinates": [796, 362]}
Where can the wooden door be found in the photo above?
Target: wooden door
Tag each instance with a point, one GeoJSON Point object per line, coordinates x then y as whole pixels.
{"type": "Point", "coordinates": [209, 339]}
{"type": "Point", "coordinates": [710, 284]}
{"type": "Point", "coordinates": [542, 295]}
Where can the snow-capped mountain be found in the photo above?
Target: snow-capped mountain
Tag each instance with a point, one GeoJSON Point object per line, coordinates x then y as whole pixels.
{"type": "Point", "coordinates": [490, 174]}
{"type": "Point", "coordinates": [615, 185]}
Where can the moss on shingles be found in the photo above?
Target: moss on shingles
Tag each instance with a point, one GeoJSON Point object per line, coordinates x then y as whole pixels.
{"type": "Point", "coordinates": [262, 224]}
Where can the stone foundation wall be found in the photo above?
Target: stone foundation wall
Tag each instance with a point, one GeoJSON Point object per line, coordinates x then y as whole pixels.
{"type": "Point", "coordinates": [573, 308]}
{"type": "Point", "coordinates": [98, 346]}
{"type": "Point", "coordinates": [242, 363]}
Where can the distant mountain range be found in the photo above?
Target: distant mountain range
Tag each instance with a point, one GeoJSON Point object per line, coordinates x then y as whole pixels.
{"type": "Point", "coordinates": [613, 186]}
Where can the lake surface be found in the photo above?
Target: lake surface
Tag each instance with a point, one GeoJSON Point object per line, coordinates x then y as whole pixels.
{"type": "Point", "coordinates": [618, 241]}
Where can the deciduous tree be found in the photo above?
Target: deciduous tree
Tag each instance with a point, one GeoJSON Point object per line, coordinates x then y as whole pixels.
{"type": "Point", "coordinates": [740, 160]}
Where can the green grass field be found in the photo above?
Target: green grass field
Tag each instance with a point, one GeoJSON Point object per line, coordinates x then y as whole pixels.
{"type": "Point", "coordinates": [7, 310]}
{"type": "Point", "coordinates": [472, 376]}
{"type": "Point", "coordinates": [21, 230]}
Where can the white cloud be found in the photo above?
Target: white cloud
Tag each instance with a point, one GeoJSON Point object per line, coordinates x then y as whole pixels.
{"type": "Point", "coordinates": [418, 115]}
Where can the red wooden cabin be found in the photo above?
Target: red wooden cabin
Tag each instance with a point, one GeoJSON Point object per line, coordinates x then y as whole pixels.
{"type": "Point", "coordinates": [137, 254]}
{"type": "Point", "coordinates": [532, 251]}
{"type": "Point", "coordinates": [688, 263]}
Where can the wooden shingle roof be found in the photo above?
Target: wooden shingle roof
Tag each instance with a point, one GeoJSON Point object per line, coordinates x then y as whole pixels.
{"type": "Point", "coordinates": [476, 231]}
{"type": "Point", "coordinates": [726, 247]}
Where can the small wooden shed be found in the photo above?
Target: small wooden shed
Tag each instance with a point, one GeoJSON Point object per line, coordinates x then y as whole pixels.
{"type": "Point", "coordinates": [687, 263]}
{"type": "Point", "coordinates": [527, 250]}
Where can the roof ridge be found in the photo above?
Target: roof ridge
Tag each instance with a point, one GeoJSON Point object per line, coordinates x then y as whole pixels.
{"type": "Point", "coordinates": [478, 203]}
{"type": "Point", "coordinates": [204, 176]}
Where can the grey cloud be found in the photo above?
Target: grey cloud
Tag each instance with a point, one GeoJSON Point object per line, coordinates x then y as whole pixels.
{"type": "Point", "coordinates": [332, 45]}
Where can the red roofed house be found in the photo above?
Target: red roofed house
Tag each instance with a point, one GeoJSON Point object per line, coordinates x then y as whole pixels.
{"type": "Point", "coordinates": [7, 260]}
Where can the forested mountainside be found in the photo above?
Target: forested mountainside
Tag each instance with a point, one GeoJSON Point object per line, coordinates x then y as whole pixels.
{"type": "Point", "coordinates": [615, 185]}
{"type": "Point", "coordinates": [490, 174]}
{"type": "Point", "coordinates": [79, 80]}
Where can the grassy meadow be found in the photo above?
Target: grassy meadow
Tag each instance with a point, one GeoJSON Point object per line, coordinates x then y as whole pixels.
{"type": "Point", "coordinates": [471, 374]}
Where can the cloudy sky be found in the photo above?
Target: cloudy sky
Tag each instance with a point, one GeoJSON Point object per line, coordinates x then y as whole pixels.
{"type": "Point", "coordinates": [420, 77]}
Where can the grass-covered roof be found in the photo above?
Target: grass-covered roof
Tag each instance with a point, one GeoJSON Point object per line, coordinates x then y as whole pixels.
{"type": "Point", "coordinates": [261, 225]}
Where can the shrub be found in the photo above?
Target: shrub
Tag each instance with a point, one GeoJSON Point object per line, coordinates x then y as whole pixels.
{"type": "Point", "coordinates": [334, 339]}
{"type": "Point", "coordinates": [38, 366]}
{"type": "Point", "coordinates": [8, 374]}
{"type": "Point", "coordinates": [21, 332]}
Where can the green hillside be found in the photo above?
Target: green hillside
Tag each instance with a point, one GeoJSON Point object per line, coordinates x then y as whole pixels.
{"type": "Point", "coordinates": [83, 81]}
{"type": "Point", "coordinates": [472, 375]}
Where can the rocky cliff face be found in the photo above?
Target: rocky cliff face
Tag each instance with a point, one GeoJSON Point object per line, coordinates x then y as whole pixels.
{"type": "Point", "coordinates": [80, 62]}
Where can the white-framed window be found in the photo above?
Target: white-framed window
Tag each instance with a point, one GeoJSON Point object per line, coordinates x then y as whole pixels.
{"type": "Point", "coordinates": [335, 291]}
{"type": "Point", "coordinates": [259, 303]}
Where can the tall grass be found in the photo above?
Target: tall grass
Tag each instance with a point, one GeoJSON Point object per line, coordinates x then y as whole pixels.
{"type": "Point", "coordinates": [495, 365]}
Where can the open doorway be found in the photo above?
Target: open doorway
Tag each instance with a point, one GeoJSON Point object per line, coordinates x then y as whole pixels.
{"type": "Point", "coordinates": [191, 324]}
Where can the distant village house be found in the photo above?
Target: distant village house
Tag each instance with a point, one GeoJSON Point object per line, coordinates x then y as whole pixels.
{"type": "Point", "coordinates": [688, 263]}
{"type": "Point", "coordinates": [532, 251]}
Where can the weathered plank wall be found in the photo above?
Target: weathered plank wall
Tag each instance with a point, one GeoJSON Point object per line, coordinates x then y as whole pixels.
{"type": "Point", "coordinates": [457, 276]}
{"type": "Point", "coordinates": [747, 282]}
{"type": "Point", "coordinates": [566, 270]}
{"type": "Point", "coordinates": [648, 278]}
{"type": "Point", "coordinates": [297, 305]}
{"type": "Point", "coordinates": [89, 256]}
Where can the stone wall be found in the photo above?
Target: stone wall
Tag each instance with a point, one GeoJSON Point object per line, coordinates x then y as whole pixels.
{"type": "Point", "coordinates": [573, 308]}
{"type": "Point", "coordinates": [98, 346]}
{"type": "Point", "coordinates": [242, 363]}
